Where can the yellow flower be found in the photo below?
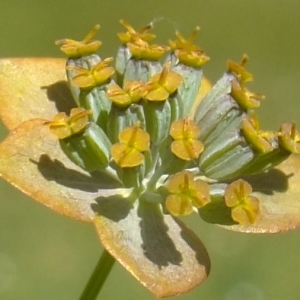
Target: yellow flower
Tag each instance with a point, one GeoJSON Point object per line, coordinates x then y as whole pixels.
{"type": "Point", "coordinates": [63, 126]}
{"type": "Point", "coordinates": [96, 76]}
{"type": "Point", "coordinates": [131, 35]}
{"type": "Point", "coordinates": [133, 141]}
{"type": "Point", "coordinates": [259, 140]}
{"type": "Point", "coordinates": [188, 53]}
{"type": "Point", "coordinates": [87, 46]}
{"type": "Point", "coordinates": [240, 93]}
{"type": "Point", "coordinates": [162, 85]}
{"type": "Point", "coordinates": [186, 193]}
{"type": "Point", "coordinates": [185, 145]}
{"type": "Point", "coordinates": [289, 137]}
{"type": "Point", "coordinates": [133, 91]}
{"type": "Point", "coordinates": [244, 208]}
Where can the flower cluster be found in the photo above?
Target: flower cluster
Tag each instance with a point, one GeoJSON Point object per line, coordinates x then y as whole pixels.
{"type": "Point", "coordinates": [142, 131]}
{"type": "Point", "coordinates": [155, 148]}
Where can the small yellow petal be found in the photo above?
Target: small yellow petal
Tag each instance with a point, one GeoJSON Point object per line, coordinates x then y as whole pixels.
{"type": "Point", "coordinates": [179, 205]}
{"type": "Point", "coordinates": [246, 215]}
{"type": "Point", "coordinates": [83, 80]}
{"type": "Point", "coordinates": [135, 137]}
{"type": "Point", "coordinates": [201, 196]}
{"type": "Point", "coordinates": [178, 182]}
{"type": "Point", "coordinates": [156, 92]}
{"type": "Point", "coordinates": [239, 92]}
{"type": "Point", "coordinates": [187, 150]}
{"type": "Point", "coordinates": [126, 157]}
{"type": "Point", "coordinates": [184, 129]}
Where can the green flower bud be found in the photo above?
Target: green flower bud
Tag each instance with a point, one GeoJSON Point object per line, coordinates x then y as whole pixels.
{"type": "Point", "coordinates": [89, 150]}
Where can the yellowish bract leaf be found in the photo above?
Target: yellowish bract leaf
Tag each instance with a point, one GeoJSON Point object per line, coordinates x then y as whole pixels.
{"type": "Point", "coordinates": [33, 88]}
{"type": "Point", "coordinates": [32, 160]}
{"type": "Point", "coordinates": [164, 266]}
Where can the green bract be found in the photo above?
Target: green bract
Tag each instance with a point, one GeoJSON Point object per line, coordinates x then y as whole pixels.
{"type": "Point", "coordinates": [135, 153]}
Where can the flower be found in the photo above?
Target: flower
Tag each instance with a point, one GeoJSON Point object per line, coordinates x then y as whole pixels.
{"type": "Point", "coordinates": [244, 208]}
{"type": "Point", "coordinates": [185, 145]}
{"type": "Point", "coordinates": [133, 141]}
{"type": "Point", "coordinates": [127, 149]}
{"type": "Point", "coordinates": [186, 193]}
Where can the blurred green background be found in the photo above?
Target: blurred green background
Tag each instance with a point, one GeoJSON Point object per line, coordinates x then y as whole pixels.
{"type": "Point", "coordinates": [46, 256]}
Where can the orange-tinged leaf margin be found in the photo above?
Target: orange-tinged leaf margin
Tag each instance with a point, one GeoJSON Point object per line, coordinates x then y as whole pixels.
{"type": "Point", "coordinates": [32, 88]}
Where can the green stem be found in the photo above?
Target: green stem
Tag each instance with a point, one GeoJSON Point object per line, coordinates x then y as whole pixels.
{"type": "Point", "coordinates": [165, 162]}
{"type": "Point", "coordinates": [98, 277]}
{"type": "Point", "coordinates": [112, 173]}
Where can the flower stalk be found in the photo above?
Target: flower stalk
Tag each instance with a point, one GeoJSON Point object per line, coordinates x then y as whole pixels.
{"type": "Point", "coordinates": [99, 276]}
